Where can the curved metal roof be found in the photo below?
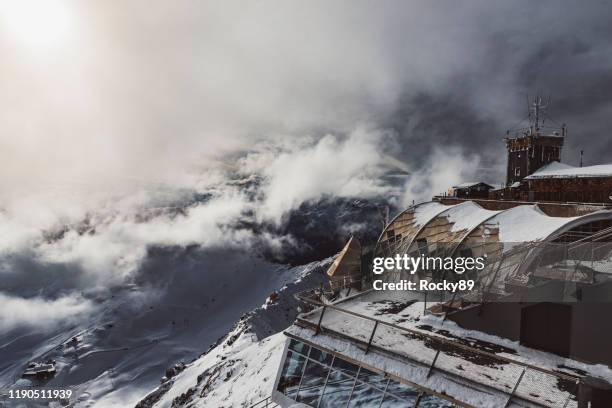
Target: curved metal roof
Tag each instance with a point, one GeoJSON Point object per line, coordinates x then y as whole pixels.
{"type": "Point", "coordinates": [455, 223]}
{"type": "Point", "coordinates": [511, 239]}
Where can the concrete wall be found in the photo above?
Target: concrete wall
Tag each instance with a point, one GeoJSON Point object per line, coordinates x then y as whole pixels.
{"type": "Point", "coordinates": [591, 334]}
{"type": "Point", "coordinates": [497, 318]}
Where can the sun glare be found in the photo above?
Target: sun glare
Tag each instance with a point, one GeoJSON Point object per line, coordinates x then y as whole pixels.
{"type": "Point", "coordinates": [36, 23]}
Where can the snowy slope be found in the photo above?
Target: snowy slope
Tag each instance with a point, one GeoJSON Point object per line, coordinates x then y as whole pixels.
{"type": "Point", "coordinates": [231, 375]}
{"type": "Point", "coordinates": [125, 348]}
{"type": "Point", "coordinates": [241, 369]}
{"type": "Point", "coordinates": [182, 298]}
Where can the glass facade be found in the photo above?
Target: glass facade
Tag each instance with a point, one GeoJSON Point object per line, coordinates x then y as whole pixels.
{"type": "Point", "coordinates": [318, 379]}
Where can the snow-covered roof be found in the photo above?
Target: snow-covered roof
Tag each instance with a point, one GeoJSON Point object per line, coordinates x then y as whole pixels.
{"type": "Point", "coordinates": [405, 368]}
{"type": "Point", "coordinates": [560, 170]}
{"type": "Point", "coordinates": [526, 223]}
{"type": "Point", "coordinates": [417, 351]}
{"type": "Point", "coordinates": [423, 213]}
{"type": "Point", "coordinates": [518, 224]}
{"type": "Point", "coordinates": [469, 221]}
{"type": "Point", "coordinates": [470, 184]}
{"type": "Point", "coordinates": [467, 215]}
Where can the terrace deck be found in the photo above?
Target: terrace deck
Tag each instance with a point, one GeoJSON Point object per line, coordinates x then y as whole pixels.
{"type": "Point", "coordinates": [429, 345]}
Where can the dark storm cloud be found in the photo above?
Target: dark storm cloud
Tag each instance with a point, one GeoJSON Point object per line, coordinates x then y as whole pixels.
{"type": "Point", "coordinates": [558, 49]}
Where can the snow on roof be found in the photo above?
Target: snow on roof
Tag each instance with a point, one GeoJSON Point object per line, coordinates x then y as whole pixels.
{"type": "Point", "coordinates": [416, 351]}
{"type": "Point", "coordinates": [526, 223]}
{"type": "Point", "coordinates": [560, 170]}
{"type": "Point", "coordinates": [467, 215]}
{"type": "Point", "coordinates": [405, 368]}
{"type": "Point", "coordinates": [424, 212]}
{"type": "Point", "coordinates": [470, 184]}
{"type": "Point", "coordinates": [554, 166]}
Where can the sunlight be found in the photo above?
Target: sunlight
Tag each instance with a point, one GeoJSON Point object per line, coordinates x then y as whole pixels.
{"type": "Point", "coordinates": [38, 24]}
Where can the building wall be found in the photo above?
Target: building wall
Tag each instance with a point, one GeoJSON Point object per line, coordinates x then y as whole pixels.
{"type": "Point", "coordinates": [477, 191]}
{"type": "Point", "coordinates": [590, 335]}
{"type": "Point", "coordinates": [578, 189]}
{"type": "Point", "coordinates": [496, 318]}
{"type": "Point", "coordinates": [529, 153]}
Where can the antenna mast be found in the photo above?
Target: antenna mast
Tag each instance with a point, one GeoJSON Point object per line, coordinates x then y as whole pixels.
{"type": "Point", "coordinates": [538, 108]}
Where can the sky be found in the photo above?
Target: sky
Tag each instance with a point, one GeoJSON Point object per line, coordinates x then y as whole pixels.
{"type": "Point", "coordinates": [143, 89]}
{"type": "Point", "coordinates": [109, 110]}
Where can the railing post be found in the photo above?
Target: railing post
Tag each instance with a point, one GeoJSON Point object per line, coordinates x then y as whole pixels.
{"type": "Point", "coordinates": [418, 400]}
{"type": "Point", "coordinates": [371, 337]}
{"type": "Point", "coordinates": [320, 319]}
{"type": "Point", "coordinates": [515, 388]}
{"type": "Point", "coordinates": [486, 289]}
{"type": "Point", "coordinates": [451, 305]}
{"type": "Point", "coordinates": [569, 394]}
{"type": "Point", "coordinates": [433, 363]}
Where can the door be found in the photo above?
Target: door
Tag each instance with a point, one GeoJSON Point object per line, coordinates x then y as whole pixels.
{"type": "Point", "coordinates": [547, 326]}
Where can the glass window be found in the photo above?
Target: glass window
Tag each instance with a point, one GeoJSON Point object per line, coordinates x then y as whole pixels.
{"type": "Point", "coordinates": [403, 391]}
{"type": "Point", "coordinates": [345, 367]}
{"type": "Point", "coordinates": [345, 384]}
{"type": "Point", "coordinates": [337, 390]}
{"type": "Point", "coordinates": [299, 347]}
{"type": "Point", "coordinates": [392, 402]}
{"type": "Point", "coordinates": [321, 356]}
{"type": "Point", "coordinates": [372, 378]}
{"type": "Point", "coordinates": [429, 401]}
{"type": "Point", "coordinates": [312, 383]}
{"type": "Point", "coordinates": [291, 374]}
{"type": "Point", "coordinates": [365, 396]}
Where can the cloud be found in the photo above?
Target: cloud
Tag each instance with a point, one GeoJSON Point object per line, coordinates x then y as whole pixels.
{"type": "Point", "coordinates": [176, 125]}
{"type": "Point", "coordinates": [108, 238]}
{"type": "Point", "coordinates": [41, 313]}
{"type": "Point", "coordinates": [145, 89]}
{"type": "Point", "coordinates": [445, 167]}
{"type": "Point", "coordinates": [111, 243]}
{"type": "Point", "coordinates": [329, 167]}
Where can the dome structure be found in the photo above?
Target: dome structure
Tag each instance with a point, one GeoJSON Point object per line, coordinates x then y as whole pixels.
{"type": "Point", "coordinates": [509, 238]}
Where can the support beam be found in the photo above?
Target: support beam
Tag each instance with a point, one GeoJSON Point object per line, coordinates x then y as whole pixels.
{"type": "Point", "coordinates": [515, 388]}
{"type": "Point", "coordinates": [433, 363]}
{"type": "Point", "coordinates": [318, 330]}
{"type": "Point", "coordinates": [371, 337]}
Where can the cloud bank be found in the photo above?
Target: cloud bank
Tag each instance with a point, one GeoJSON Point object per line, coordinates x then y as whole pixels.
{"type": "Point", "coordinates": [179, 124]}
{"type": "Point", "coordinates": [41, 313]}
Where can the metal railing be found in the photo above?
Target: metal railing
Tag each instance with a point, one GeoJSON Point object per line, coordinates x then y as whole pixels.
{"type": "Point", "coordinates": [518, 261]}
{"type": "Point", "coordinates": [265, 403]}
{"type": "Point", "coordinates": [529, 382]}
{"type": "Point", "coordinates": [562, 388]}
